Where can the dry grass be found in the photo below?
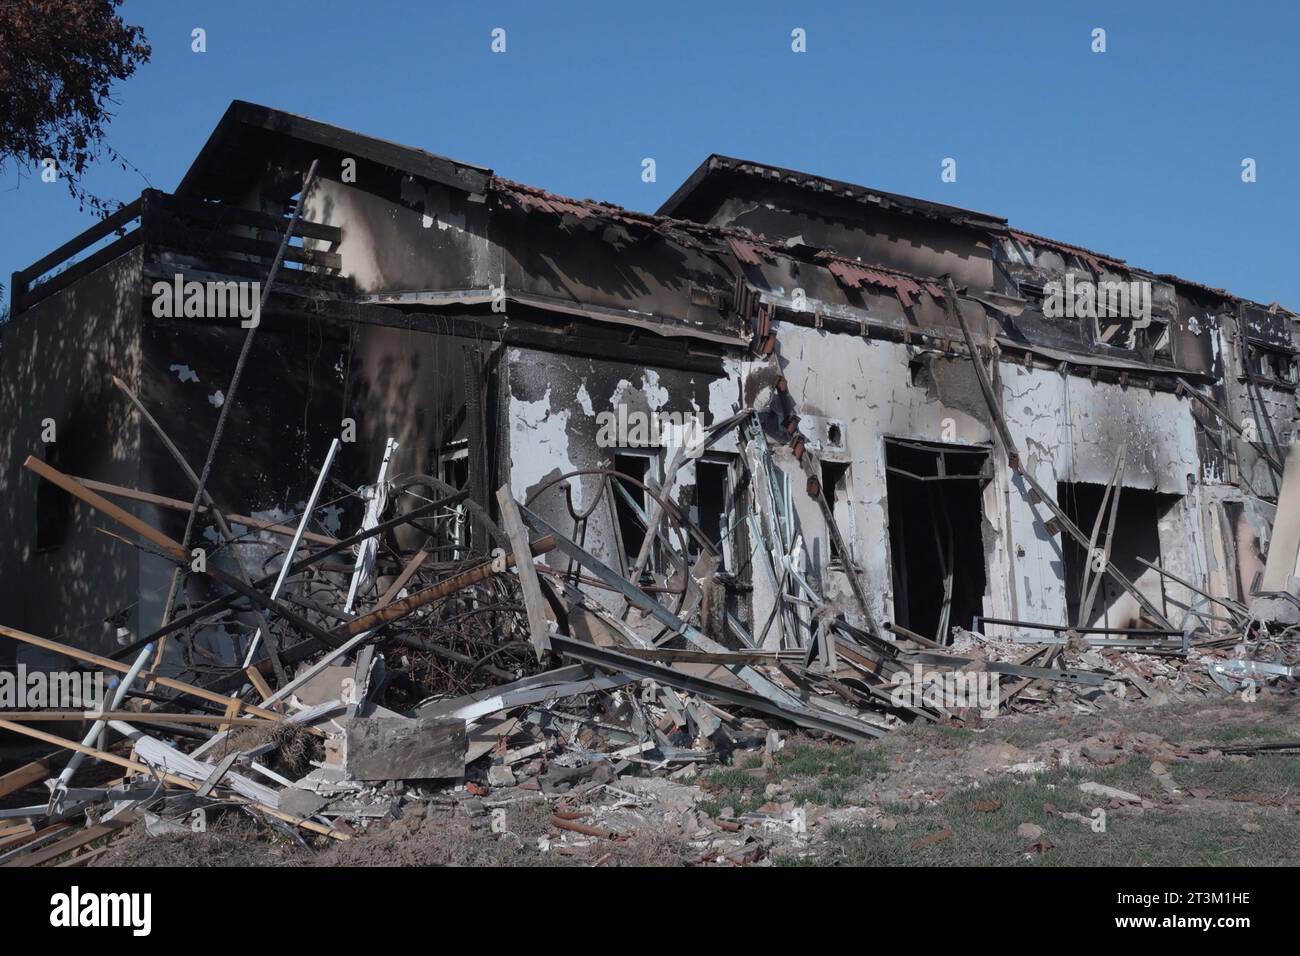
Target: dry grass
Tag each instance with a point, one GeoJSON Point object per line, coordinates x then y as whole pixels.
{"type": "Point", "coordinates": [294, 746]}
{"type": "Point", "coordinates": [233, 839]}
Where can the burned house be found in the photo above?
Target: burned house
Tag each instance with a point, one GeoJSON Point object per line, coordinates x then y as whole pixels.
{"type": "Point", "coordinates": [850, 406]}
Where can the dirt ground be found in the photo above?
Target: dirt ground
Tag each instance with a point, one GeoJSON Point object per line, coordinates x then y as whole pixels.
{"type": "Point", "coordinates": [1004, 791]}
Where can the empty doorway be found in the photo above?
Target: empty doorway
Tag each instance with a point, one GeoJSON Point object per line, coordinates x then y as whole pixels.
{"type": "Point", "coordinates": [936, 541]}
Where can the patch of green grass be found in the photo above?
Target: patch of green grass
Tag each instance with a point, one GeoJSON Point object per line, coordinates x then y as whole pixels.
{"type": "Point", "coordinates": [1235, 723]}
{"type": "Point", "coordinates": [1147, 839]}
{"type": "Point", "coordinates": [826, 774]}
{"type": "Point", "coordinates": [1133, 775]}
{"type": "Point", "coordinates": [732, 787]}
{"type": "Point", "coordinates": [955, 733]}
{"type": "Point", "coordinates": [1250, 731]}
{"type": "Point", "coordinates": [1184, 836]}
{"type": "Point", "coordinates": [842, 761]}
{"type": "Point", "coordinates": [1276, 776]}
{"type": "Point", "coordinates": [922, 730]}
{"type": "Point", "coordinates": [832, 774]}
{"type": "Point", "coordinates": [1021, 733]}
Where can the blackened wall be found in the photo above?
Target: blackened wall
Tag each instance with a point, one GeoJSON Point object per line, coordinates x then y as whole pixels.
{"type": "Point", "coordinates": [57, 360]}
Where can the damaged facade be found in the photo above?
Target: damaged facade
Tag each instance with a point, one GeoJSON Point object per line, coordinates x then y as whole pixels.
{"type": "Point", "coordinates": [861, 459]}
{"type": "Point", "coordinates": [502, 477]}
{"type": "Point", "coordinates": [486, 325]}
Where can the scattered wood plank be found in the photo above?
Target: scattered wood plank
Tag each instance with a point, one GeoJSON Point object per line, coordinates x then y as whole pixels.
{"type": "Point", "coordinates": [24, 776]}
{"type": "Point", "coordinates": [68, 844]}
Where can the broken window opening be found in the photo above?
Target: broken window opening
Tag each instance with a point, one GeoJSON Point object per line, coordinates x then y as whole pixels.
{"type": "Point", "coordinates": [1030, 290]}
{"type": "Point", "coordinates": [738, 547]}
{"type": "Point", "coordinates": [710, 507]}
{"type": "Point", "coordinates": [1156, 338]}
{"type": "Point", "coordinates": [1273, 366]}
{"type": "Point", "coordinates": [935, 507]}
{"type": "Point", "coordinates": [1124, 333]}
{"type": "Point", "coordinates": [630, 505]}
{"type": "Point", "coordinates": [1137, 536]}
{"type": "Point", "coordinates": [74, 452]}
{"type": "Point", "coordinates": [835, 486]}
{"type": "Point", "coordinates": [453, 468]}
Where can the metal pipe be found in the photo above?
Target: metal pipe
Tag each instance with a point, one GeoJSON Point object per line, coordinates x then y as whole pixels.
{"type": "Point", "coordinates": [98, 726]}
{"type": "Point", "coordinates": [371, 519]}
{"type": "Point", "coordinates": [293, 545]}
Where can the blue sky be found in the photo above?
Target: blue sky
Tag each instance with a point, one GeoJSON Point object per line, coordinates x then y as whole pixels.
{"type": "Point", "coordinates": [1135, 152]}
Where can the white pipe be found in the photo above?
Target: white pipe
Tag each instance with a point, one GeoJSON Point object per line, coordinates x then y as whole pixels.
{"type": "Point", "coordinates": [118, 696]}
{"type": "Point", "coordinates": [369, 521]}
{"type": "Point", "coordinates": [293, 544]}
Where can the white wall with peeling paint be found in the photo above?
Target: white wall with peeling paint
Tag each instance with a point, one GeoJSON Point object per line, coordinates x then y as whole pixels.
{"type": "Point", "coordinates": [1071, 430]}
{"type": "Point", "coordinates": [866, 384]}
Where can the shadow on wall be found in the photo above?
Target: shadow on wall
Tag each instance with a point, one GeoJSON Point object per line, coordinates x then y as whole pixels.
{"type": "Point", "coordinates": [59, 576]}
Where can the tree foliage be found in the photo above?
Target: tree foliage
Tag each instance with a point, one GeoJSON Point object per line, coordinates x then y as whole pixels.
{"type": "Point", "coordinates": [58, 62]}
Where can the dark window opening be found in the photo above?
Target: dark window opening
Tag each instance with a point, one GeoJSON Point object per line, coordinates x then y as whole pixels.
{"type": "Point", "coordinates": [711, 500]}
{"type": "Point", "coordinates": [1123, 333]}
{"type": "Point", "coordinates": [738, 548]}
{"type": "Point", "coordinates": [1031, 291]}
{"type": "Point", "coordinates": [1273, 365]}
{"type": "Point", "coordinates": [75, 452]}
{"type": "Point", "coordinates": [1136, 538]}
{"type": "Point", "coordinates": [455, 471]}
{"type": "Point", "coordinates": [630, 503]}
{"type": "Point", "coordinates": [1155, 339]}
{"type": "Point", "coordinates": [936, 537]}
{"type": "Point", "coordinates": [835, 486]}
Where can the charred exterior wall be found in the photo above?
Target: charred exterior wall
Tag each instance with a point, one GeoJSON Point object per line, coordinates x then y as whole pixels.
{"type": "Point", "coordinates": [552, 412]}
{"type": "Point", "coordinates": [1071, 430]}
{"type": "Point", "coordinates": [426, 237]}
{"type": "Point", "coordinates": [486, 326]}
{"type": "Point", "coordinates": [921, 238]}
{"type": "Point", "coordinates": [59, 577]}
{"type": "Point", "coordinates": [1068, 428]}
{"type": "Point", "coordinates": [867, 388]}
{"type": "Point", "coordinates": [290, 405]}
{"type": "Point", "coordinates": [435, 244]}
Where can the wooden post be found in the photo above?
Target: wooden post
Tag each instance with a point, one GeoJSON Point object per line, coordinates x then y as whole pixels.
{"type": "Point", "coordinates": [538, 626]}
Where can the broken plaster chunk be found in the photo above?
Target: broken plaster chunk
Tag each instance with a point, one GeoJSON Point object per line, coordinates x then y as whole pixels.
{"type": "Point", "coordinates": [1110, 793]}
{"type": "Point", "coordinates": [325, 686]}
{"type": "Point", "coordinates": [301, 803]}
{"type": "Point", "coordinates": [400, 748]}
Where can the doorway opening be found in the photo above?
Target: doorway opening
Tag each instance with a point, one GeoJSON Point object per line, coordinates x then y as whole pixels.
{"type": "Point", "coordinates": [936, 542]}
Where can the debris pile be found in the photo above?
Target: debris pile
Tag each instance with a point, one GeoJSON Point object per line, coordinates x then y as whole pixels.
{"type": "Point", "coordinates": [434, 682]}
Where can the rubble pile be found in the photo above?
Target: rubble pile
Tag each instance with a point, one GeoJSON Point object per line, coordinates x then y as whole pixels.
{"type": "Point", "coordinates": [327, 699]}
